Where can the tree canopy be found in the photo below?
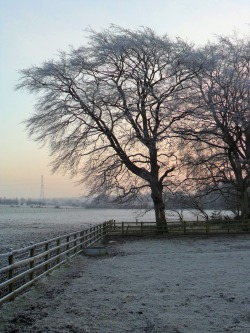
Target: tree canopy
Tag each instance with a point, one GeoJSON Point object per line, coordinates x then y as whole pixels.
{"type": "Point", "coordinates": [222, 139]}
{"type": "Point", "coordinates": [117, 110]}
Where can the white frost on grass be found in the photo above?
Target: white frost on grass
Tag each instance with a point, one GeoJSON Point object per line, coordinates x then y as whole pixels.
{"type": "Point", "coordinates": [22, 225]}
{"type": "Point", "coordinates": [173, 285]}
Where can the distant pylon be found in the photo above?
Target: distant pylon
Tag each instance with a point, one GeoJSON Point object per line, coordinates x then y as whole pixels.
{"type": "Point", "coordinates": [42, 197]}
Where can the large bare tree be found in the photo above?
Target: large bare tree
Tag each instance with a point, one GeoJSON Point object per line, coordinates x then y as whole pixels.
{"type": "Point", "coordinates": [106, 110]}
{"type": "Point", "coordinates": [221, 126]}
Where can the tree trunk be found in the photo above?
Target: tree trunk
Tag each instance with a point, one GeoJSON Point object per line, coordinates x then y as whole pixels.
{"type": "Point", "coordinates": [244, 206]}
{"type": "Point", "coordinates": [159, 207]}
{"type": "Point", "coordinates": [241, 185]}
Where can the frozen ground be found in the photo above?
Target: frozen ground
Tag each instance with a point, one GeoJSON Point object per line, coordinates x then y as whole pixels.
{"type": "Point", "coordinates": [21, 226]}
{"type": "Point", "coordinates": [174, 285]}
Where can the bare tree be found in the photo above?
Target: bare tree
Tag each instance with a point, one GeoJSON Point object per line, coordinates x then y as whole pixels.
{"type": "Point", "coordinates": [221, 128]}
{"type": "Point", "coordinates": [188, 201]}
{"type": "Point", "coordinates": [106, 110]}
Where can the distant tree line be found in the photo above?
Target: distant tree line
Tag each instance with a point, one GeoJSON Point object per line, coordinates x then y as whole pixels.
{"type": "Point", "coordinates": [19, 201]}
{"type": "Point", "coordinates": [72, 202]}
{"type": "Point", "coordinates": [7, 201]}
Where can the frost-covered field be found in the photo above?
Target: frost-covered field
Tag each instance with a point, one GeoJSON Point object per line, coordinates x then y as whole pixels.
{"type": "Point", "coordinates": [21, 226]}
{"type": "Point", "coordinates": [174, 285]}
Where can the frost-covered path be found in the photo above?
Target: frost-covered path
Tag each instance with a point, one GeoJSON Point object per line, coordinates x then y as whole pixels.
{"type": "Point", "coordinates": [175, 285]}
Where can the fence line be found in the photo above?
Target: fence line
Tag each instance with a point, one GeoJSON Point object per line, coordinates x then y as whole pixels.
{"type": "Point", "coordinates": [181, 228]}
{"type": "Point", "coordinates": [26, 265]}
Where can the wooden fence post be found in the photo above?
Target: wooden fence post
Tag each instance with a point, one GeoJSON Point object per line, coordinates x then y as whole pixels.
{"type": "Point", "coordinates": [32, 263]}
{"type": "Point", "coordinates": [11, 272]}
{"type": "Point", "coordinates": [207, 227]}
{"type": "Point", "coordinates": [85, 237]}
{"type": "Point", "coordinates": [67, 240]}
{"type": "Point", "coordinates": [96, 233]}
{"type": "Point", "coordinates": [81, 239]}
{"type": "Point", "coordinates": [141, 228]}
{"type": "Point", "coordinates": [89, 236]}
{"type": "Point", "coordinates": [46, 258]}
{"type": "Point", "coordinates": [75, 236]}
{"type": "Point", "coordinates": [122, 228]}
{"type": "Point", "coordinates": [58, 242]}
{"type": "Point", "coordinates": [99, 231]}
{"type": "Point", "coordinates": [184, 227]}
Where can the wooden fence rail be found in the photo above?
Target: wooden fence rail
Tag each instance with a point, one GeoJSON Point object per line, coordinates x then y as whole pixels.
{"type": "Point", "coordinates": [182, 227]}
{"type": "Point", "coordinates": [26, 265]}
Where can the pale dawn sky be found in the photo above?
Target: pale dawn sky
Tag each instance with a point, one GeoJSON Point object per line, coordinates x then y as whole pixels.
{"type": "Point", "coordinates": [32, 31]}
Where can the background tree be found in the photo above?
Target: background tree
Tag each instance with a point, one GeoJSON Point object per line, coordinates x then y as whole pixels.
{"type": "Point", "coordinates": [220, 130]}
{"type": "Point", "coordinates": [106, 110]}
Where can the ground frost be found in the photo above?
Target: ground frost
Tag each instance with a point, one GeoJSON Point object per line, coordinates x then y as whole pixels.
{"type": "Point", "coordinates": [175, 285]}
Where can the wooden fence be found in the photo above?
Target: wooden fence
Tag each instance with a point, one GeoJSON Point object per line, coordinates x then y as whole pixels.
{"type": "Point", "coordinates": [24, 266]}
{"type": "Point", "coordinates": [181, 228]}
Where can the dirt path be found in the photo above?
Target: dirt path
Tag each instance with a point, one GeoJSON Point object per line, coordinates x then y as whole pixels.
{"type": "Point", "coordinates": [176, 285]}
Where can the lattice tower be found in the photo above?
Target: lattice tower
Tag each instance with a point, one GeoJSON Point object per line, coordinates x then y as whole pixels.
{"type": "Point", "coordinates": [42, 196]}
